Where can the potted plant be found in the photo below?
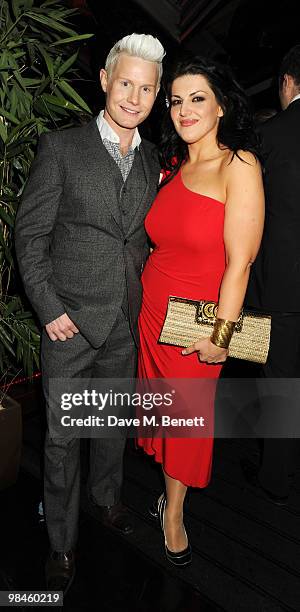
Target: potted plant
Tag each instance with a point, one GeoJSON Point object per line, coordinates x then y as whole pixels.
{"type": "Point", "coordinates": [38, 64]}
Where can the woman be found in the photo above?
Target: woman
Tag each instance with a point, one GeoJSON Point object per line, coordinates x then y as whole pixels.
{"type": "Point", "coordinates": [206, 226]}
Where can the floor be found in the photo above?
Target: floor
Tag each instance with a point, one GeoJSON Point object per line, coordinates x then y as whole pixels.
{"type": "Point", "coordinates": [112, 574]}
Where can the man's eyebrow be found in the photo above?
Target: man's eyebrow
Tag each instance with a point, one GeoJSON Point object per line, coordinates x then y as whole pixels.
{"type": "Point", "coordinates": [143, 85]}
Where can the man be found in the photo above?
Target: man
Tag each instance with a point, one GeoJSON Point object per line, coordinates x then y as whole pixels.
{"type": "Point", "coordinates": [274, 285]}
{"type": "Point", "coordinates": [81, 245]}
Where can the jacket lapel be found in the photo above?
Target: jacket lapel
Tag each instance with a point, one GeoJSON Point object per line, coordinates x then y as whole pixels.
{"type": "Point", "coordinates": [145, 200]}
{"type": "Point", "coordinates": [100, 164]}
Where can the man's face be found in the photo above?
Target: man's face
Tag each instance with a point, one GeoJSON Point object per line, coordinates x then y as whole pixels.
{"type": "Point", "coordinates": [131, 88]}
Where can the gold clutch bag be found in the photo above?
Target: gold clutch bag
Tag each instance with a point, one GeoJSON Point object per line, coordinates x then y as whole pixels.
{"type": "Point", "coordinates": [188, 320]}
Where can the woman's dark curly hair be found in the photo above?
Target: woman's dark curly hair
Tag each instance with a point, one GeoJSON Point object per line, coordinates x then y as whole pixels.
{"type": "Point", "coordinates": [235, 131]}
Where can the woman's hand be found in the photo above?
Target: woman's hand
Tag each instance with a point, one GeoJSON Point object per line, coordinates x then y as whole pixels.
{"type": "Point", "coordinates": [207, 351]}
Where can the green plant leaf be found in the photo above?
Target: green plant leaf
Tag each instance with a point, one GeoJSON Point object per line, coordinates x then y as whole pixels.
{"type": "Point", "coordinates": [67, 65]}
{"type": "Point", "coordinates": [6, 342]}
{"type": "Point", "coordinates": [48, 3]}
{"type": "Point", "coordinates": [3, 131]}
{"type": "Point", "coordinates": [19, 79]}
{"type": "Point", "coordinates": [6, 217]}
{"type": "Point", "coordinates": [44, 84]}
{"type": "Point", "coordinates": [25, 127]}
{"type": "Point", "coordinates": [50, 23]}
{"type": "Point", "coordinates": [13, 101]}
{"type": "Point", "coordinates": [3, 59]}
{"type": "Point", "coordinates": [59, 102]}
{"type": "Point", "coordinates": [16, 148]}
{"type": "Point", "coordinates": [48, 61]}
{"type": "Point", "coordinates": [16, 8]}
{"type": "Point", "coordinates": [13, 305]}
{"type": "Point", "coordinates": [31, 82]}
{"type": "Point", "coordinates": [71, 39]}
{"type": "Point", "coordinates": [69, 91]}
{"type": "Point", "coordinates": [8, 115]}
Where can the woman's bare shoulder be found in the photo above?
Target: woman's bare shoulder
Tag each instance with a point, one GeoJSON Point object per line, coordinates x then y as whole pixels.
{"type": "Point", "coordinates": [243, 165]}
{"type": "Point", "coordinates": [242, 157]}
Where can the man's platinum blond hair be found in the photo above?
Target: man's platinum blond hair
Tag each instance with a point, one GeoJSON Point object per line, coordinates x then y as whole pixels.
{"type": "Point", "coordinates": [143, 46]}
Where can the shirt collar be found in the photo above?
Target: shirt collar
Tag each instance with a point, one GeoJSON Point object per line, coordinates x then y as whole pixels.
{"type": "Point", "coordinates": [297, 97]}
{"type": "Point", "coordinates": [106, 132]}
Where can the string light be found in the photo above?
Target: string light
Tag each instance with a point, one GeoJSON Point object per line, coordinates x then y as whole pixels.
{"type": "Point", "coordinates": [18, 381]}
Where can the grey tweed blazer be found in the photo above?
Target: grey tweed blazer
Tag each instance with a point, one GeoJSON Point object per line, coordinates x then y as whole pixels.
{"type": "Point", "coordinates": [71, 249]}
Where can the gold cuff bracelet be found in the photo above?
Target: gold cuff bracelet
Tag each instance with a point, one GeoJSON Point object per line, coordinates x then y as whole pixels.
{"type": "Point", "coordinates": [222, 332]}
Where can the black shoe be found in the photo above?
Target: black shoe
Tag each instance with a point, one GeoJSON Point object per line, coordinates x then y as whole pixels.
{"type": "Point", "coordinates": [116, 517]}
{"type": "Point", "coordinates": [60, 571]}
{"type": "Point", "coordinates": [182, 558]}
{"type": "Point", "coordinates": [251, 476]}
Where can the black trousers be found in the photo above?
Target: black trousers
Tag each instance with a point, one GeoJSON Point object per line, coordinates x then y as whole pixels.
{"type": "Point", "coordinates": [75, 358]}
{"type": "Point", "coordinates": [280, 454]}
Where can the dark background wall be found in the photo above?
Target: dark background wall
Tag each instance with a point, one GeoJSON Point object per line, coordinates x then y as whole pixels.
{"type": "Point", "coordinates": [251, 35]}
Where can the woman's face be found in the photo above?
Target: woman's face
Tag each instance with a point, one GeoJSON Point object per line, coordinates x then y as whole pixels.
{"type": "Point", "coordinates": [195, 111]}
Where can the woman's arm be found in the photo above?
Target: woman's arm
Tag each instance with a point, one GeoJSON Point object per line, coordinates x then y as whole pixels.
{"type": "Point", "coordinates": [243, 227]}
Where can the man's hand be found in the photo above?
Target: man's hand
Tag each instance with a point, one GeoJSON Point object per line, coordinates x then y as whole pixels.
{"type": "Point", "coordinates": [207, 351]}
{"type": "Point", "coordinates": [61, 328]}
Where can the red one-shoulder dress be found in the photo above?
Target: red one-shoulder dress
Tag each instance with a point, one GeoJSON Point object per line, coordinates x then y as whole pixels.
{"type": "Point", "coordinates": [188, 260]}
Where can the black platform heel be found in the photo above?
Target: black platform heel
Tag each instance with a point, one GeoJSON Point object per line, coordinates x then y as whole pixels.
{"type": "Point", "coordinates": [181, 558]}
